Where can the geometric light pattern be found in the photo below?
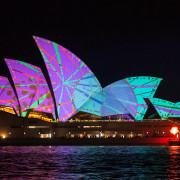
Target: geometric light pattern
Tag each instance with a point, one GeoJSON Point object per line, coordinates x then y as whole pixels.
{"type": "Point", "coordinates": [115, 99]}
{"type": "Point", "coordinates": [76, 89]}
{"type": "Point", "coordinates": [94, 103]}
{"type": "Point", "coordinates": [66, 70]}
{"type": "Point", "coordinates": [7, 95]}
{"type": "Point", "coordinates": [87, 93]}
{"type": "Point", "coordinates": [31, 87]}
{"type": "Point", "coordinates": [175, 111]}
{"type": "Point", "coordinates": [143, 87]}
{"type": "Point", "coordinates": [163, 107]}
{"type": "Point", "coordinates": [111, 106]}
{"type": "Point", "coordinates": [119, 98]}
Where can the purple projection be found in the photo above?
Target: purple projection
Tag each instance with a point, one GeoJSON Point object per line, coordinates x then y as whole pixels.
{"type": "Point", "coordinates": [65, 70]}
{"type": "Point", "coordinates": [31, 86]}
{"type": "Point", "coordinates": [7, 95]}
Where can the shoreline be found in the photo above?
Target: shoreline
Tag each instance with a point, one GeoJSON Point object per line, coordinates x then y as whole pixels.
{"type": "Point", "coordinates": [146, 141]}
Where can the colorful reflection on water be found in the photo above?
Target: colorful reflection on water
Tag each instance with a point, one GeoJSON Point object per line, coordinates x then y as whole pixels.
{"type": "Point", "coordinates": [90, 162]}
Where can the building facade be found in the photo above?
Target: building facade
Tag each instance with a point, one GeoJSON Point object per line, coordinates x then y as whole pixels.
{"type": "Point", "coordinates": [116, 110]}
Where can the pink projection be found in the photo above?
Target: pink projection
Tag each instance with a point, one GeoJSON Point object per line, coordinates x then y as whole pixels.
{"type": "Point", "coordinates": [7, 95]}
{"type": "Point", "coordinates": [65, 70]}
{"type": "Point", "coordinates": [31, 86]}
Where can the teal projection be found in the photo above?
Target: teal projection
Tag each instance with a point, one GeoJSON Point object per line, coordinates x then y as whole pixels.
{"type": "Point", "coordinates": [84, 93]}
{"type": "Point", "coordinates": [175, 111]}
{"type": "Point", "coordinates": [163, 107]}
{"type": "Point", "coordinates": [94, 103]}
{"type": "Point", "coordinates": [143, 87]}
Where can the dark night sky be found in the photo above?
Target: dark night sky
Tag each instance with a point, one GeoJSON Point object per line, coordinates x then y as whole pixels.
{"type": "Point", "coordinates": [116, 39]}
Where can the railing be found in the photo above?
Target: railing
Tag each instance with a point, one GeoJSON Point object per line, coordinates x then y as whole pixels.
{"type": "Point", "coordinates": [118, 120]}
{"type": "Point", "coordinates": [106, 120]}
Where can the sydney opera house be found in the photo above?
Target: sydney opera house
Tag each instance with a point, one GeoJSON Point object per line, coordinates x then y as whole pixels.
{"type": "Point", "coordinates": [71, 101]}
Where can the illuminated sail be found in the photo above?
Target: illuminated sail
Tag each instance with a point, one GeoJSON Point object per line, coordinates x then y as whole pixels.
{"type": "Point", "coordinates": [143, 87]}
{"type": "Point", "coordinates": [116, 98]}
{"type": "Point", "coordinates": [175, 110]}
{"type": "Point", "coordinates": [87, 95]}
{"type": "Point", "coordinates": [94, 104]}
{"type": "Point", "coordinates": [7, 95]}
{"type": "Point", "coordinates": [31, 86]}
{"type": "Point", "coordinates": [119, 98]}
{"type": "Point", "coordinates": [163, 107]}
{"type": "Point", "coordinates": [72, 81]}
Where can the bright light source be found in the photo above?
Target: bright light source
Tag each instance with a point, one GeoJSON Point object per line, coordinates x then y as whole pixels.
{"type": "Point", "coordinates": [3, 136]}
{"type": "Point", "coordinates": [174, 130]}
{"type": "Point", "coordinates": [147, 132]}
{"type": "Point", "coordinates": [49, 135]}
{"type": "Point", "coordinates": [24, 132]}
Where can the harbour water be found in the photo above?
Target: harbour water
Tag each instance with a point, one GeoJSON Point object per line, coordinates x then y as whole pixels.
{"type": "Point", "coordinates": [90, 162]}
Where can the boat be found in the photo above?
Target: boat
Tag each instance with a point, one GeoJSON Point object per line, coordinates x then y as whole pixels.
{"type": "Point", "coordinates": [174, 142]}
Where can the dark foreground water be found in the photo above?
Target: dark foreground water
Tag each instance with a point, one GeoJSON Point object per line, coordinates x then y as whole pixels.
{"type": "Point", "coordinates": [90, 162]}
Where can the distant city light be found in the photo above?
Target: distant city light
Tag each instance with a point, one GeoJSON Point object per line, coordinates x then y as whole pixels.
{"type": "Point", "coordinates": [3, 136]}
{"type": "Point", "coordinates": [49, 135]}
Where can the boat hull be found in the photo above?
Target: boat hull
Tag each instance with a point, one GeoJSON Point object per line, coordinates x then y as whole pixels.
{"type": "Point", "coordinates": [174, 143]}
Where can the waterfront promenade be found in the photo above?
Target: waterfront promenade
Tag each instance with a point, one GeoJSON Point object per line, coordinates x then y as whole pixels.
{"type": "Point", "coordinates": [162, 141]}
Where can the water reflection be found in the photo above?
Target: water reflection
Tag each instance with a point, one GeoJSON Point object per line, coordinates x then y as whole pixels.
{"type": "Point", "coordinates": [173, 170]}
{"type": "Point", "coordinates": [86, 162]}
